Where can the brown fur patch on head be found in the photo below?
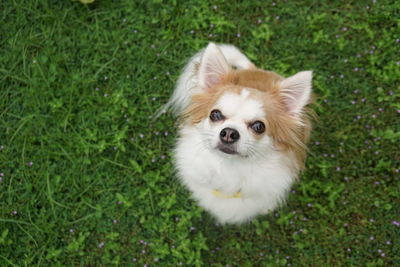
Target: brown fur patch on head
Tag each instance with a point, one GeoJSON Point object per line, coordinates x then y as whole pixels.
{"type": "Point", "coordinates": [289, 133]}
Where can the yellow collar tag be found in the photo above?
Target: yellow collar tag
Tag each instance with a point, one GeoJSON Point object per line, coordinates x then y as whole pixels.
{"type": "Point", "coordinates": [219, 194]}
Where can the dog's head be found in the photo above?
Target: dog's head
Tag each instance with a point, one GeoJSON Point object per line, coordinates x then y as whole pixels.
{"type": "Point", "coordinates": [250, 112]}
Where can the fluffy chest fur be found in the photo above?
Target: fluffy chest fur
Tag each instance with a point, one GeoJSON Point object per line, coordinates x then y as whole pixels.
{"type": "Point", "coordinates": [263, 184]}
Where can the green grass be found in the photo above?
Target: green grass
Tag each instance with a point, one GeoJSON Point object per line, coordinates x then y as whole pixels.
{"type": "Point", "coordinates": [87, 177]}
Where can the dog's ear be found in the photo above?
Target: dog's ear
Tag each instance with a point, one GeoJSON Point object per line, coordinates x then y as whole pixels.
{"type": "Point", "coordinates": [296, 91]}
{"type": "Point", "coordinates": [213, 64]}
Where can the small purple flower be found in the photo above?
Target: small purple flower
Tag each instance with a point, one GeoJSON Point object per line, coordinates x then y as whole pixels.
{"type": "Point", "coordinates": [388, 242]}
{"type": "Point", "coordinates": [166, 133]}
{"type": "Point", "coordinates": [338, 168]}
{"type": "Point", "coordinates": [105, 95]}
{"type": "Point", "coordinates": [71, 231]}
{"type": "Point", "coordinates": [134, 259]}
{"type": "Point", "coordinates": [373, 116]}
{"type": "Point", "coordinates": [97, 89]}
{"type": "Point", "coordinates": [143, 251]}
{"type": "Point", "coordinates": [1, 147]}
{"type": "Point", "coordinates": [30, 163]}
{"type": "Point", "coordinates": [119, 202]}
{"type": "Point", "coordinates": [396, 223]}
{"type": "Point", "coordinates": [192, 228]}
{"type": "Point", "coordinates": [141, 135]}
{"type": "Point", "coordinates": [344, 29]}
{"type": "Point", "coordinates": [238, 35]}
{"type": "Point", "coordinates": [371, 238]}
{"type": "Point", "coordinates": [353, 102]}
{"type": "Point", "coordinates": [346, 225]}
{"type": "Point", "coordinates": [348, 249]}
{"type": "Point", "coordinates": [317, 143]}
{"type": "Point", "coordinates": [162, 156]}
{"type": "Point", "coordinates": [101, 245]}
{"type": "Point", "coordinates": [309, 205]}
{"type": "Point", "coordinates": [363, 99]}
{"type": "Point", "coordinates": [14, 212]}
{"type": "Point", "coordinates": [380, 109]}
{"type": "Point", "coordinates": [115, 221]}
{"type": "Point", "coordinates": [383, 254]}
{"type": "Point", "coordinates": [1, 174]}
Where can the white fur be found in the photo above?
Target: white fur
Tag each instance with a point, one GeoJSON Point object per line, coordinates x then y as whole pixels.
{"type": "Point", "coordinates": [259, 171]}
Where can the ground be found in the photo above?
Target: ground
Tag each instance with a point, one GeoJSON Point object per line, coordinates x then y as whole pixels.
{"type": "Point", "coordinates": [86, 175]}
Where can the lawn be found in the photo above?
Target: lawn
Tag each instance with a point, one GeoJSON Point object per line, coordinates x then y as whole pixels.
{"type": "Point", "coordinates": [87, 178]}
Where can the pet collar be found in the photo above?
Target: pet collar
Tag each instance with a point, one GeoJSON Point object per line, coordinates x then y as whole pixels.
{"type": "Point", "coordinates": [219, 194]}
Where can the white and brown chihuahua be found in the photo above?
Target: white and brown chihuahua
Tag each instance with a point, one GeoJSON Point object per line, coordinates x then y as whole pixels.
{"type": "Point", "coordinates": [242, 140]}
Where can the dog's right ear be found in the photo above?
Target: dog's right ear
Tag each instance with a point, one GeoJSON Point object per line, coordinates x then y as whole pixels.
{"type": "Point", "coordinates": [213, 65]}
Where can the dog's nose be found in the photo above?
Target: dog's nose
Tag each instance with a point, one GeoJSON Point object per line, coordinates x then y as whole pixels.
{"type": "Point", "coordinates": [229, 135]}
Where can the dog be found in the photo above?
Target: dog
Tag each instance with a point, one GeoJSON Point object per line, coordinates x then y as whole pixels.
{"type": "Point", "coordinates": [242, 135]}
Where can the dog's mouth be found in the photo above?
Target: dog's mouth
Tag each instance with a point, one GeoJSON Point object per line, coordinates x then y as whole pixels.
{"type": "Point", "coordinates": [227, 150]}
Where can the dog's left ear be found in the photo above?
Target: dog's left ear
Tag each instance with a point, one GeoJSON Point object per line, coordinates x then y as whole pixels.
{"type": "Point", "coordinates": [213, 65]}
{"type": "Point", "coordinates": [296, 91]}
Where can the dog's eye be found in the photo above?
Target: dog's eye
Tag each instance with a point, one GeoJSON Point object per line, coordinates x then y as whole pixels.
{"type": "Point", "coordinates": [258, 127]}
{"type": "Point", "coordinates": [216, 115]}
